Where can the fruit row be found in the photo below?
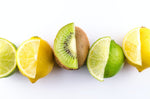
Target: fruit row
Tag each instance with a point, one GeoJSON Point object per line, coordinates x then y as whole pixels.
{"type": "Point", "coordinates": [35, 58]}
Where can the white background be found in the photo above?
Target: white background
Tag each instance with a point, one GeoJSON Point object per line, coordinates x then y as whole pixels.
{"type": "Point", "coordinates": [20, 20]}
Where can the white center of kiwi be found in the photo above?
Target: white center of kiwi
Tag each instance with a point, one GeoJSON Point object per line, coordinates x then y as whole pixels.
{"type": "Point", "coordinates": [72, 46]}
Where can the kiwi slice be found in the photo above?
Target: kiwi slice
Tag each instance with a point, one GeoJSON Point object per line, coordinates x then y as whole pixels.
{"type": "Point", "coordinates": [71, 47]}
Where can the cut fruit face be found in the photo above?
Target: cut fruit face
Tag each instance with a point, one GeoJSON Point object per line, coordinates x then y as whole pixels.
{"type": "Point", "coordinates": [27, 57]}
{"type": "Point", "coordinates": [105, 58]}
{"type": "Point", "coordinates": [7, 58]}
{"type": "Point", "coordinates": [65, 47]}
{"type": "Point", "coordinates": [35, 58]}
{"type": "Point", "coordinates": [136, 46]}
{"type": "Point", "coordinates": [132, 46]}
{"type": "Point", "coordinates": [98, 56]}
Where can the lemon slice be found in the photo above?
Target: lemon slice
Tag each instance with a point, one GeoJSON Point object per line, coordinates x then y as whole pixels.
{"type": "Point", "coordinates": [7, 58]}
{"type": "Point", "coordinates": [132, 47]}
{"type": "Point", "coordinates": [35, 58]}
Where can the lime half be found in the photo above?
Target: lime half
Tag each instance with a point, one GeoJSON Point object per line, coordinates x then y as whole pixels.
{"type": "Point", "coordinates": [105, 58]}
{"type": "Point", "coordinates": [7, 58]}
{"type": "Point", "coordinates": [98, 56]}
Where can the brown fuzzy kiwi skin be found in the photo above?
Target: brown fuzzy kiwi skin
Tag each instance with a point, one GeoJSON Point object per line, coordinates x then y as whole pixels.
{"type": "Point", "coordinates": [82, 45]}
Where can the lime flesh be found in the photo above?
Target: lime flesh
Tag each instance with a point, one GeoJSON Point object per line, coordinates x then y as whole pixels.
{"type": "Point", "coordinates": [7, 58]}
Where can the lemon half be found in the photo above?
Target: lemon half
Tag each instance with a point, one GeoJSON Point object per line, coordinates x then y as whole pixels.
{"type": "Point", "coordinates": [136, 47]}
{"type": "Point", "coordinates": [35, 58]}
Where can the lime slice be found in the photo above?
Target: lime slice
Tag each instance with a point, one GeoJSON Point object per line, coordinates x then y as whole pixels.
{"type": "Point", "coordinates": [98, 56]}
{"type": "Point", "coordinates": [7, 58]}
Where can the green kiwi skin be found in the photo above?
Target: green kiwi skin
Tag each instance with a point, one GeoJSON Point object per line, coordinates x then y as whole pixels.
{"type": "Point", "coordinates": [115, 61]}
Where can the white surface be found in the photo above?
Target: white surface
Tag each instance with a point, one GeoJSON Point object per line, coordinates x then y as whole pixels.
{"type": "Point", "coordinates": [20, 20]}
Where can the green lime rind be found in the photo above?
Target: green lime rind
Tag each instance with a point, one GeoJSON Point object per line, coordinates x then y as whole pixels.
{"type": "Point", "coordinates": [15, 70]}
{"type": "Point", "coordinates": [7, 58]}
{"type": "Point", "coordinates": [115, 61]}
{"type": "Point", "coordinates": [98, 56]}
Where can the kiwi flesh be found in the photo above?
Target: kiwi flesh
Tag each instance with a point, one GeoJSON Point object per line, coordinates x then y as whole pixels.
{"type": "Point", "coordinates": [71, 47]}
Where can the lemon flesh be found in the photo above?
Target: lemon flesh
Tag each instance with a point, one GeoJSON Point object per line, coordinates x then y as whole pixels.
{"type": "Point", "coordinates": [132, 47]}
{"type": "Point", "coordinates": [98, 56]}
{"type": "Point", "coordinates": [7, 58]}
{"type": "Point", "coordinates": [35, 58]}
